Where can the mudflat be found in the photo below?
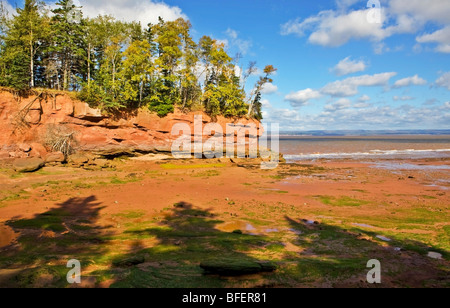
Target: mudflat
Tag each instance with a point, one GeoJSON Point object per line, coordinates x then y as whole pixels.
{"type": "Point", "coordinates": [153, 223]}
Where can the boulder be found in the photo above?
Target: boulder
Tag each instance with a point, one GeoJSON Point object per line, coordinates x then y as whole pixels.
{"type": "Point", "coordinates": [4, 155]}
{"type": "Point", "coordinates": [78, 159]}
{"type": "Point", "coordinates": [236, 267]}
{"type": "Point", "coordinates": [28, 164]}
{"type": "Point", "coordinates": [102, 163]}
{"type": "Point", "coordinates": [38, 150]}
{"type": "Point", "coordinates": [56, 157]}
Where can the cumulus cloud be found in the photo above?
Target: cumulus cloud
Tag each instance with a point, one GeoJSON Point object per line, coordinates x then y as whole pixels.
{"type": "Point", "coordinates": [349, 87]}
{"type": "Point", "coordinates": [302, 97]}
{"type": "Point", "coordinates": [145, 11]}
{"type": "Point", "coordinates": [441, 37]}
{"type": "Point", "coordinates": [333, 28]}
{"type": "Point", "coordinates": [430, 10]}
{"type": "Point", "coordinates": [414, 80]}
{"type": "Point", "coordinates": [341, 104]}
{"type": "Point", "coordinates": [364, 98]}
{"type": "Point", "coordinates": [348, 66]}
{"type": "Point", "coordinates": [403, 98]}
{"type": "Point", "coordinates": [330, 28]}
{"type": "Point", "coordinates": [269, 88]}
{"type": "Point", "coordinates": [363, 117]}
{"type": "Point", "coordinates": [444, 81]}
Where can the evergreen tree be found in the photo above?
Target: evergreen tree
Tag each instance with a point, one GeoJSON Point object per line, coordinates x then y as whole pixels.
{"type": "Point", "coordinates": [68, 42]}
{"type": "Point", "coordinates": [24, 38]}
{"type": "Point", "coordinates": [117, 65]}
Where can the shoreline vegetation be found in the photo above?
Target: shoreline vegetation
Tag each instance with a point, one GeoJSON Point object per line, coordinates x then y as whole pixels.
{"type": "Point", "coordinates": [117, 66]}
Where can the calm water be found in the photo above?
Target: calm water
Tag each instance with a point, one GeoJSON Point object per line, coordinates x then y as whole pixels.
{"type": "Point", "coordinates": [374, 147]}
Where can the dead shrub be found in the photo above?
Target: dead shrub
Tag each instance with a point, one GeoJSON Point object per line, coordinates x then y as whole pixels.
{"type": "Point", "coordinates": [60, 138]}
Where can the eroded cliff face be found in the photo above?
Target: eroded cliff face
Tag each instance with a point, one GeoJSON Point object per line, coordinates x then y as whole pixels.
{"type": "Point", "coordinates": [24, 123]}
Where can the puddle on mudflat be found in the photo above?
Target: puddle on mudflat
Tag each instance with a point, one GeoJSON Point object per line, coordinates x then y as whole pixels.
{"type": "Point", "coordinates": [271, 230]}
{"type": "Point", "coordinates": [7, 236]}
{"type": "Point", "coordinates": [363, 225]}
{"type": "Point", "coordinates": [246, 227]}
{"type": "Point", "coordinates": [435, 255]}
{"type": "Point", "coordinates": [383, 238]}
{"type": "Point", "coordinates": [437, 186]}
{"type": "Point", "coordinates": [298, 232]}
{"type": "Point", "coordinates": [401, 166]}
{"type": "Point", "coordinates": [236, 225]}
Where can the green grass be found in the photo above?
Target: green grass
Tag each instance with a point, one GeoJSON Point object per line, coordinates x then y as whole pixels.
{"type": "Point", "coordinates": [44, 222]}
{"type": "Point", "coordinates": [129, 179]}
{"type": "Point", "coordinates": [15, 196]}
{"type": "Point", "coordinates": [342, 201]}
{"type": "Point", "coordinates": [130, 214]}
{"type": "Point", "coordinates": [208, 173]}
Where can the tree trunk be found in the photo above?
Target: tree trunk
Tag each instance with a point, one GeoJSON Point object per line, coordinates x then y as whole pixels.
{"type": "Point", "coordinates": [89, 66]}
{"type": "Point", "coordinates": [66, 72]}
{"type": "Point", "coordinates": [31, 60]}
{"type": "Point", "coordinates": [141, 86]}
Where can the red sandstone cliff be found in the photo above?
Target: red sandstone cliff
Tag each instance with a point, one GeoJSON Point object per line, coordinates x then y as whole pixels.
{"type": "Point", "coordinates": [24, 121]}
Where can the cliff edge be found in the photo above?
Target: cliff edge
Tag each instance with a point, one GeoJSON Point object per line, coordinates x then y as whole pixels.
{"type": "Point", "coordinates": [25, 125]}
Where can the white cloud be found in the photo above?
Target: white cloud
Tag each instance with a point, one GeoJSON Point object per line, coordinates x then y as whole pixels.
{"type": "Point", "coordinates": [444, 81]}
{"type": "Point", "coordinates": [430, 10]}
{"type": "Point", "coordinates": [341, 104]}
{"type": "Point", "coordinates": [145, 11]}
{"type": "Point", "coordinates": [403, 98]}
{"type": "Point", "coordinates": [363, 117]}
{"type": "Point", "coordinates": [441, 37]}
{"type": "Point", "coordinates": [232, 33]}
{"type": "Point", "coordinates": [266, 103]}
{"type": "Point", "coordinates": [269, 88]}
{"type": "Point", "coordinates": [349, 86]}
{"type": "Point", "coordinates": [348, 66]}
{"type": "Point", "coordinates": [242, 45]}
{"type": "Point", "coordinates": [414, 80]}
{"type": "Point", "coordinates": [361, 105]}
{"type": "Point", "coordinates": [335, 28]}
{"type": "Point", "coordinates": [364, 98]}
{"type": "Point", "coordinates": [302, 97]}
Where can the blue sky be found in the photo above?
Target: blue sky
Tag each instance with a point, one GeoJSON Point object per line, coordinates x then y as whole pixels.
{"type": "Point", "coordinates": [340, 64]}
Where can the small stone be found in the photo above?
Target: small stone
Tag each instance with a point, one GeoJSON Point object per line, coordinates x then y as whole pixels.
{"type": "Point", "coordinates": [25, 147]}
{"type": "Point", "coordinates": [435, 255]}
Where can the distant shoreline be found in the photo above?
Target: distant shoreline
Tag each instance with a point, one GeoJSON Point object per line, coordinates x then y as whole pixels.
{"type": "Point", "coordinates": [367, 133]}
{"type": "Point", "coordinates": [360, 137]}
